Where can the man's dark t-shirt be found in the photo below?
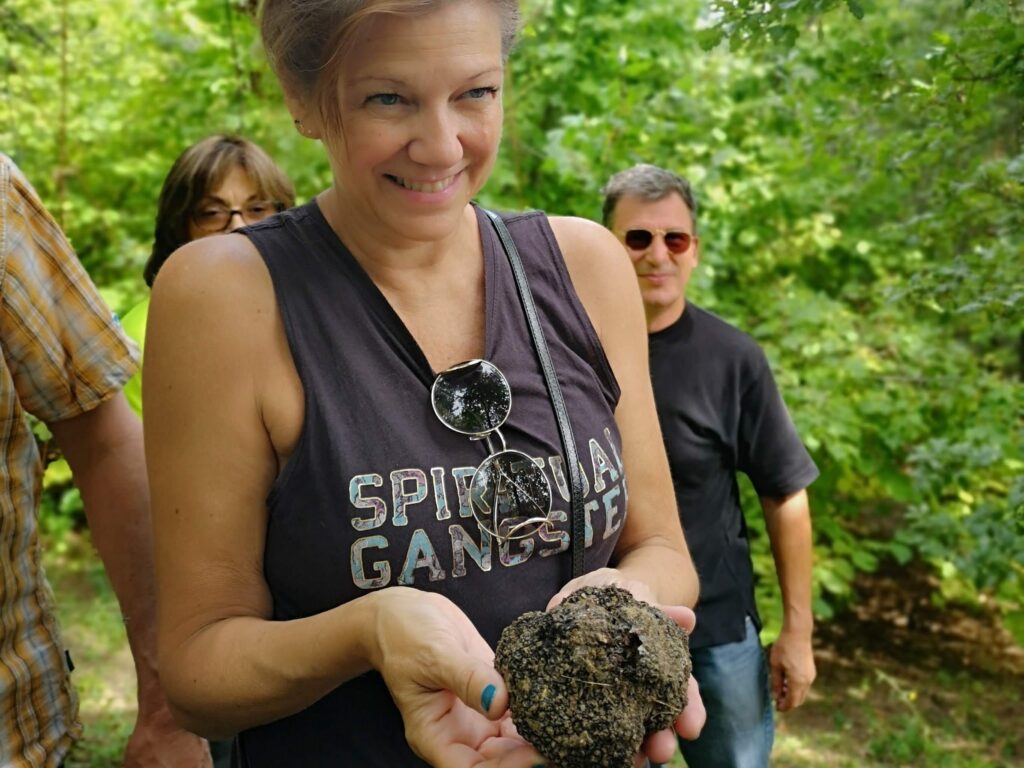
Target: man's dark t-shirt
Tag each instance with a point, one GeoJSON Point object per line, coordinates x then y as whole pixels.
{"type": "Point", "coordinates": [720, 414]}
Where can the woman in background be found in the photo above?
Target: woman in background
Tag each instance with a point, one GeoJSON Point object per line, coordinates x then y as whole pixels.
{"type": "Point", "coordinates": [217, 185]}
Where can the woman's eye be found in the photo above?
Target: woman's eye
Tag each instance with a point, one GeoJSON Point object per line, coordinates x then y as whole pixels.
{"type": "Point", "coordinates": [479, 93]}
{"type": "Point", "coordinates": [385, 99]}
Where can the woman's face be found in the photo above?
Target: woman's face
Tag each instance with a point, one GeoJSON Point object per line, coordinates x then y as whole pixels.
{"type": "Point", "coordinates": [228, 206]}
{"type": "Point", "coordinates": [420, 105]}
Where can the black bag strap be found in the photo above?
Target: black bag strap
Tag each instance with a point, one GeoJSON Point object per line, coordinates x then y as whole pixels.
{"type": "Point", "coordinates": [540, 344]}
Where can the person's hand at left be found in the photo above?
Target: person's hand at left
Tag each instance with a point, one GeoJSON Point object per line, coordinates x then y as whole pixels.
{"type": "Point", "coordinates": [658, 747]}
{"type": "Point", "coordinates": [792, 666]}
{"type": "Point", "coordinates": [159, 742]}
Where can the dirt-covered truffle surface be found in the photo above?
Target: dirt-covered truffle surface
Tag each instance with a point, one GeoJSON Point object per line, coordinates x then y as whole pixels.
{"type": "Point", "coordinates": [591, 677]}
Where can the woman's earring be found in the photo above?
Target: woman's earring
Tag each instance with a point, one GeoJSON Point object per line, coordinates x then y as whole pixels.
{"type": "Point", "coordinates": [304, 131]}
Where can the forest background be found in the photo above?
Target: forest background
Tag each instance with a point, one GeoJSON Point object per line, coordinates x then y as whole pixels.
{"type": "Point", "coordinates": [860, 172]}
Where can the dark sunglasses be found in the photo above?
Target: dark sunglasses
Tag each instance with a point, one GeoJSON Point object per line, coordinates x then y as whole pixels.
{"type": "Point", "coordinates": [510, 495]}
{"type": "Point", "coordinates": [641, 239]}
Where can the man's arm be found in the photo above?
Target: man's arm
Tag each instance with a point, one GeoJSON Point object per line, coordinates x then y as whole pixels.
{"type": "Point", "coordinates": [104, 448]}
{"type": "Point", "coordinates": [792, 659]}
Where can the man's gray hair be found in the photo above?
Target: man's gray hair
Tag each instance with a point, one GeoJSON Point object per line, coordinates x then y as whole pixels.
{"type": "Point", "coordinates": [648, 182]}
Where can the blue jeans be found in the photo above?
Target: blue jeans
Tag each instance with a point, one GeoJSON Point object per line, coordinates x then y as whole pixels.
{"type": "Point", "coordinates": [736, 690]}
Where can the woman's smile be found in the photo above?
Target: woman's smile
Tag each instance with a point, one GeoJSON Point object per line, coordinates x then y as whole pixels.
{"type": "Point", "coordinates": [427, 186]}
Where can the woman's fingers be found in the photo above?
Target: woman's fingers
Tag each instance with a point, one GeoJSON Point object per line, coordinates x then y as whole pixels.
{"type": "Point", "coordinates": [515, 757]}
{"type": "Point", "coordinates": [512, 749]}
{"type": "Point", "coordinates": [681, 615]}
{"type": "Point", "coordinates": [660, 745]}
{"type": "Point", "coordinates": [473, 680]}
{"type": "Point", "coordinates": [444, 652]}
{"type": "Point", "coordinates": [690, 722]}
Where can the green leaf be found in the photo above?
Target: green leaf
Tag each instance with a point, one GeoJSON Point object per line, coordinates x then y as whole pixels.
{"type": "Point", "coordinates": [864, 561]}
{"type": "Point", "coordinates": [70, 502]}
{"type": "Point", "coordinates": [57, 473]}
{"type": "Point", "coordinates": [709, 38]}
{"type": "Point", "coordinates": [900, 552]}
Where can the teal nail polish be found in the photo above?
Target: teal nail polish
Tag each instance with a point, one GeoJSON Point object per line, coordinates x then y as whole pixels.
{"type": "Point", "coordinates": [487, 697]}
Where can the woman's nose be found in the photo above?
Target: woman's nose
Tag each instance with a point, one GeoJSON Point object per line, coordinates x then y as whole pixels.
{"type": "Point", "coordinates": [235, 221]}
{"type": "Point", "coordinates": [437, 143]}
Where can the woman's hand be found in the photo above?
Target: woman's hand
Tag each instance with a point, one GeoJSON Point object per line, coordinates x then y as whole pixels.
{"type": "Point", "coordinates": [659, 746]}
{"type": "Point", "coordinates": [441, 675]}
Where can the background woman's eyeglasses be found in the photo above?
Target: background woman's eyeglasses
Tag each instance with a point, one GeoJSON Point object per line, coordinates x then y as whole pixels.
{"type": "Point", "coordinates": [641, 239]}
{"type": "Point", "coordinates": [510, 495]}
{"type": "Point", "coordinates": [217, 218]}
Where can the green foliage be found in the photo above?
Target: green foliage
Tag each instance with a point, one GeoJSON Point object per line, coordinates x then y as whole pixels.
{"type": "Point", "coordinates": [97, 99]}
{"type": "Point", "coordinates": [860, 173]}
{"type": "Point", "coordinates": [860, 215]}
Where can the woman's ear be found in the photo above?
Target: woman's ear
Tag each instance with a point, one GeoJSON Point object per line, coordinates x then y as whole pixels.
{"type": "Point", "coordinates": [306, 120]}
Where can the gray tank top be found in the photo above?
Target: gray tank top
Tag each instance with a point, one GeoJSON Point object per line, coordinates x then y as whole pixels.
{"type": "Point", "coordinates": [376, 492]}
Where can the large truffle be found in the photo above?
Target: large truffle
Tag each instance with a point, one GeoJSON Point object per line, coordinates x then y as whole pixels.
{"type": "Point", "coordinates": [591, 677]}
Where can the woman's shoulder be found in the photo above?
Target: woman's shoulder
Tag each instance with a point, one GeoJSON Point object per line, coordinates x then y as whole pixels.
{"type": "Point", "coordinates": [219, 282]}
{"type": "Point", "coordinates": [598, 264]}
{"type": "Point", "coordinates": [589, 247]}
{"type": "Point", "coordinates": [222, 262]}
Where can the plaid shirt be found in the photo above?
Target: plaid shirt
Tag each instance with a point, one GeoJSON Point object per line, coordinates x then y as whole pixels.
{"type": "Point", "coordinates": [63, 354]}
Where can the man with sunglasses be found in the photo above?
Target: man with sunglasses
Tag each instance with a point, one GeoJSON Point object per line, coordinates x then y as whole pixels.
{"type": "Point", "coordinates": [720, 414]}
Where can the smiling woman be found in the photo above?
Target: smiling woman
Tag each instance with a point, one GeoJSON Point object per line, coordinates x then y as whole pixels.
{"type": "Point", "coordinates": [413, 119]}
{"type": "Point", "coordinates": [333, 564]}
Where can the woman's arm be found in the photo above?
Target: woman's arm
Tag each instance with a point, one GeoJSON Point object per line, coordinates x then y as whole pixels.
{"type": "Point", "coordinates": [651, 549]}
{"type": "Point", "coordinates": [213, 354]}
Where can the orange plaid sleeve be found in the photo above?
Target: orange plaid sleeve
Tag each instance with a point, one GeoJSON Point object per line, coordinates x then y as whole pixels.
{"type": "Point", "coordinates": [63, 354]}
